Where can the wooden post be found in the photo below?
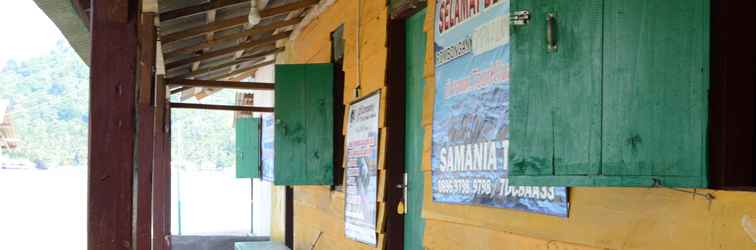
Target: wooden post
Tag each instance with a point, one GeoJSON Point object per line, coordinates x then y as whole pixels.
{"type": "Point", "coordinates": [112, 124]}
{"type": "Point", "coordinates": [161, 186]}
{"type": "Point", "coordinates": [145, 129]}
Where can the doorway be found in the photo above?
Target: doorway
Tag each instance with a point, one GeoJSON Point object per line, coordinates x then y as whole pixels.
{"type": "Point", "coordinates": [414, 39]}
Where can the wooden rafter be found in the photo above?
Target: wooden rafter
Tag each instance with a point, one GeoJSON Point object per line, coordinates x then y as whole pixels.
{"type": "Point", "coordinates": [210, 17]}
{"type": "Point", "coordinates": [226, 65]}
{"type": "Point", "coordinates": [234, 73]}
{"type": "Point", "coordinates": [221, 84]}
{"type": "Point", "coordinates": [246, 45]}
{"type": "Point", "coordinates": [221, 107]}
{"type": "Point", "coordinates": [236, 21]}
{"type": "Point", "coordinates": [198, 9]}
{"type": "Point", "coordinates": [84, 10]}
{"type": "Point", "coordinates": [219, 39]}
{"type": "Point", "coordinates": [179, 90]}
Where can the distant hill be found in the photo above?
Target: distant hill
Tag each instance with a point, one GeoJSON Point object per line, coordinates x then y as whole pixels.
{"type": "Point", "coordinates": [49, 96]}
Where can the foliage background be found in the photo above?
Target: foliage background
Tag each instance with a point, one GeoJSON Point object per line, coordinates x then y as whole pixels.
{"type": "Point", "coordinates": [49, 98]}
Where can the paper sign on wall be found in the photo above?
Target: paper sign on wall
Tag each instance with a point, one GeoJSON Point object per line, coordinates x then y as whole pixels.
{"type": "Point", "coordinates": [471, 112]}
{"type": "Point", "coordinates": [361, 150]}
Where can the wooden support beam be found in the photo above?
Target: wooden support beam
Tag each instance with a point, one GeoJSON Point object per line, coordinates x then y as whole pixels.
{"type": "Point", "coordinates": [178, 105]}
{"type": "Point", "coordinates": [145, 128]}
{"type": "Point", "coordinates": [271, 40]}
{"type": "Point", "coordinates": [203, 71]}
{"type": "Point", "coordinates": [221, 84]}
{"type": "Point", "coordinates": [112, 92]}
{"type": "Point", "coordinates": [198, 9]}
{"type": "Point", "coordinates": [236, 21]}
{"type": "Point", "coordinates": [161, 177]}
{"type": "Point", "coordinates": [233, 36]}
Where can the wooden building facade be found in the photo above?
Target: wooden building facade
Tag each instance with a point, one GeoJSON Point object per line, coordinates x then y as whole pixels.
{"type": "Point", "coordinates": [645, 111]}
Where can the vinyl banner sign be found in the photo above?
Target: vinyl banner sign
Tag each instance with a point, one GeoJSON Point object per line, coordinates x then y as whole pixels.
{"type": "Point", "coordinates": [268, 132]}
{"type": "Point", "coordinates": [362, 169]}
{"type": "Point", "coordinates": [471, 111]}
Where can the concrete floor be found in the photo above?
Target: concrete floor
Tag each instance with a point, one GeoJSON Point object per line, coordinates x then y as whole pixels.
{"type": "Point", "coordinates": [209, 242]}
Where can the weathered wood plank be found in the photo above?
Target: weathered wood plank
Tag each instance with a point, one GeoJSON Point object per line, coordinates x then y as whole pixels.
{"type": "Point", "coordinates": [112, 126]}
{"type": "Point", "coordinates": [198, 9]}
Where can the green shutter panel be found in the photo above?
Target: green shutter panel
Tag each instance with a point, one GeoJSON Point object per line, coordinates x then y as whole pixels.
{"type": "Point", "coordinates": [304, 124]}
{"type": "Point", "coordinates": [627, 107]}
{"type": "Point", "coordinates": [655, 92]}
{"type": "Point", "coordinates": [555, 99]}
{"type": "Point", "coordinates": [248, 147]}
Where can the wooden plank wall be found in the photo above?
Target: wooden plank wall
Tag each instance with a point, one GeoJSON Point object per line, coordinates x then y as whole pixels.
{"type": "Point", "coordinates": [317, 209]}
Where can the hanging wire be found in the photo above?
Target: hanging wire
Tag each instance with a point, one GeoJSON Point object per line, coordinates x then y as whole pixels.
{"type": "Point", "coordinates": [707, 196]}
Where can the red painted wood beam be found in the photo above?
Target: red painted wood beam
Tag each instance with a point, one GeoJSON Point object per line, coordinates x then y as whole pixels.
{"type": "Point", "coordinates": [112, 126]}
{"type": "Point", "coordinates": [145, 129]}
{"type": "Point", "coordinates": [161, 176]}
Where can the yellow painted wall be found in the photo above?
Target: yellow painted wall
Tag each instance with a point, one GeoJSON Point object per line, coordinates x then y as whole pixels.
{"type": "Point", "coordinates": [317, 210]}
{"type": "Point", "coordinates": [600, 218]}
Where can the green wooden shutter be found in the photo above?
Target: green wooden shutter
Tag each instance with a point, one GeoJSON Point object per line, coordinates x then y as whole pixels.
{"type": "Point", "coordinates": [555, 110]}
{"type": "Point", "coordinates": [248, 147]}
{"type": "Point", "coordinates": [621, 102]}
{"type": "Point", "coordinates": [304, 124]}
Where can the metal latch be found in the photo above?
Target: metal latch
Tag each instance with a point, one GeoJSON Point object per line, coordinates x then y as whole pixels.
{"type": "Point", "coordinates": [402, 206]}
{"type": "Point", "coordinates": [520, 17]}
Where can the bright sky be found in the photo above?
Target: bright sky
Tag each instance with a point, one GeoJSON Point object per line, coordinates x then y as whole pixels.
{"type": "Point", "coordinates": [27, 31]}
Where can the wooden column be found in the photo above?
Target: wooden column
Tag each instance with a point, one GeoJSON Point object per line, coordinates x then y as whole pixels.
{"type": "Point", "coordinates": [145, 129]}
{"type": "Point", "coordinates": [161, 186]}
{"type": "Point", "coordinates": [112, 124]}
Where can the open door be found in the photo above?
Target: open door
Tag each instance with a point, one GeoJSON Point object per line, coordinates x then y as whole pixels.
{"type": "Point", "coordinates": [415, 39]}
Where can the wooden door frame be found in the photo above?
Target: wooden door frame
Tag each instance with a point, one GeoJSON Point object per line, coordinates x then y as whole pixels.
{"type": "Point", "coordinates": [395, 121]}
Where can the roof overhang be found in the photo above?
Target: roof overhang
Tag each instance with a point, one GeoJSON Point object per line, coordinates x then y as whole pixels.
{"type": "Point", "coordinates": [65, 15]}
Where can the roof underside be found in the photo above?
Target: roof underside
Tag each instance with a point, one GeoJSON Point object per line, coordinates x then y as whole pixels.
{"type": "Point", "coordinates": [64, 14]}
{"type": "Point", "coordinates": [200, 39]}
{"type": "Point", "coordinates": [224, 52]}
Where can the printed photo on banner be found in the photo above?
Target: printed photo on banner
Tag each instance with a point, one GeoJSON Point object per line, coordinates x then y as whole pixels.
{"type": "Point", "coordinates": [268, 133]}
{"type": "Point", "coordinates": [470, 138]}
{"type": "Point", "coordinates": [361, 155]}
